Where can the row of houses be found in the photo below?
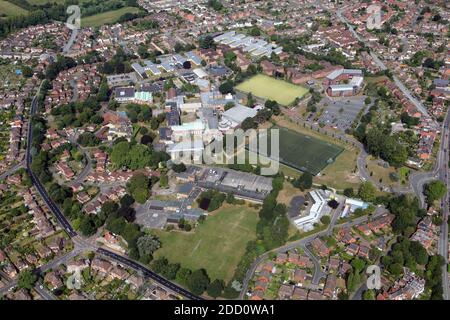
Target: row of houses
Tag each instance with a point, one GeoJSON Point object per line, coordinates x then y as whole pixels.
{"type": "Point", "coordinates": [77, 81]}
{"type": "Point", "coordinates": [43, 227]}
{"type": "Point", "coordinates": [94, 207]}
{"type": "Point", "coordinates": [410, 286]}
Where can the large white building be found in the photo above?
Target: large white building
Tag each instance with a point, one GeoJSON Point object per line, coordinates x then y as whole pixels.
{"type": "Point", "coordinates": [318, 209]}
{"type": "Point", "coordinates": [254, 46]}
{"type": "Point", "coordinates": [233, 117]}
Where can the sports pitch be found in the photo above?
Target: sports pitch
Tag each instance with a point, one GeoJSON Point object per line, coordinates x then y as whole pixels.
{"type": "Point", "coordinates": [303, 152]}
{"type": "Point", "coordinates": [266, 87]}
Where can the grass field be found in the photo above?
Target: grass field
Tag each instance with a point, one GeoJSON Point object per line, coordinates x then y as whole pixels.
{"type": "Point", "coordinates": [303, 152]}
{"type": "Point", "coordinates": [217, 245]}
{"type": "Point", "coordinates": [10, 9]}
{"type": "Point", "coordinates": [106, 17]}
{"type": "Point", "coordinates": [266, 87]}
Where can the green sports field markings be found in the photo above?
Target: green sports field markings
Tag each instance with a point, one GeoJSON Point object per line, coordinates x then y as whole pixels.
{"type": "Point", "coordinates": [302, 152]}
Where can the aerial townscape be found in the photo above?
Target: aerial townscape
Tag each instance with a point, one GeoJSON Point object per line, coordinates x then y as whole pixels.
{"type": "Point", "coordinates": [107, 121]}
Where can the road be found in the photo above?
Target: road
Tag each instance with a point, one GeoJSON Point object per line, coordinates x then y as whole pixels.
{"type": "Point", "coordinates": [80, 242]}
{"type": "Point", "coordinates": [87, 168]}
{"type": "Point", "coordinates": [318, 272]}
{"type": "Point", "coordinates": [382, 66]}
{"type": "Point", "coordinates": [44, 293]}
{"type": "Point", "coordinates": [362, 156]}
{"type": "Point", "coordinates": [146, 272]}
{"type": "Point", "coordinates": [300, 243]}
{"type": "Point", "coordinates": [40, 270]}
{"type": "Point", "coordinates": [441, 168]}
{"type": "Point", "coordinates": [443, 175]}
{"type": "Point", "coordinates": [11, 170]}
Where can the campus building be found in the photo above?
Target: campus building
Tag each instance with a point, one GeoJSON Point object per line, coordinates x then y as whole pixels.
{"type": "Point", "coordinates": [344, 82]}
{"type": "Point", "coordinates": [315, 211]}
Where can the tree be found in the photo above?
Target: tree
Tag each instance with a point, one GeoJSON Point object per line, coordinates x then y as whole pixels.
{"type": "Point", "coordinates": [27, 72]}
{"type": "Point", "coordinates": [367, 191]}
{"type": "Point", "coordinates": [186, 65]}
{"type": "Point", "coordinates": [146, 139]}
{"type": "Point", "coordinates": [134, 157]}
{"type": "Point", "coordinates": [147, 244]}
{"type": "Point", "coordinates": [181, 167]}
{"type": "Point", "coordinates": [349, 192]}
{"type": "Point", "coordinates": [226, 87]}
{"type": "Point", "coordinates": [230, 198]}
{"type": "Point", "coordinates": [87, 226]}
{"type": "Point", "coordinates": [325, 220]}
{"type": "Point", "coordinates": [116, 225]}
{"type": "Point", "coordinates": [159, 265]}
{"type": "Point", "coordinates": [183, 275]}
{"type": "Point", "coordinates": [170, 272]}
{"type": "Point", "coordinates": [138, 187]}
{"type": "Point", "coordinates": [215, 4]}
{"type": "Point", "coordinates": [434, 190]}
{"type": "Point", "coordinates": [108, 209]}
{"type": "Point", "coordinates": [255, 32]}
{"type": "Point", "coordinates": [304, 182]}
{"type": "Point", "coordinates": [273, 106]}
{"type": "Point", "coordinates": [406, 210]}
{"type": "Point", "coordinates": [88, 139]}
{"type": "Point", "coordinates": [207, 42]}
{"type": "Point", "coordinates": [198, 282]}
{"type": "Point", "coordinates": [26, 279]}
{"type": "Point", "coordinates": [249, 123]}
{"type": "Point", "coordinates": [396, 269]}
{"type": "Point", "coordinates": [367, 100]}
{"type": "Point", "coordinates": [126, 200]}
{"type": "Point", "coordinates": [215, 288]}
{"type": "Point", "coordinates": [369, 295]}
{"type": "Point", "coordinates": [163, 181]}
{"type": "Point", "coordinates": [127, 212]}
{"type": "Point", "coordinates": [419, 252]}
{"type": "Point", "coordinates": [358, 264]}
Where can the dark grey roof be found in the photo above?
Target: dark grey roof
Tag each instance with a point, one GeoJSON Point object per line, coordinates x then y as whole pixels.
{"type": "Point", "coordinates": [185, 188]}
{"type": "Point", "coordinates": [165, 133]}
{"type": "Point", "coordinates": [124, 92]}
{"type": "Point", "coordinates": [440, 82]}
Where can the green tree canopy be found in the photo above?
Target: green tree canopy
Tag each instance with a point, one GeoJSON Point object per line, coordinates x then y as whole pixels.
{"type": "Point", "coordinates": [139, 187]}
{"type": "Point", "coordinates": [198, 282]}
{"type": "Point", "coordinates": [434, 190]}
{"type": "Point", "coordinates": [367, 191]}
{"type": "Point", "coordinates": [26, 279]}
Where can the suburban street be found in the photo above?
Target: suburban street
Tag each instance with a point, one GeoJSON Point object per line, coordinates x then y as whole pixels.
{"type": "Point", "coordinates": [11, 170]}
{"type": "Point", "coordinates": [382, 66]}
{"type": "Point", "coordinates": [440, 171]}
{"type": "Point", "coordinates": [443, 175]}
{"type": "Point", "coordinates": [302, 242]}
{"type": "Point", "coordinates": [81, 242]}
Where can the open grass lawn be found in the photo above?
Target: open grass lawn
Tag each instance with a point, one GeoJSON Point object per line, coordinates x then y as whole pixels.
{"type": "Point", "coordinates": [339, 174]}
{"type": "Point", "coordinates": [217, 245]}
{"type": "Point", "coordinates": [107, 17]}
{"type": "Point", "coordinates": [266, 87]}
{"type": "Point", "coordinates": [10, 9]}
